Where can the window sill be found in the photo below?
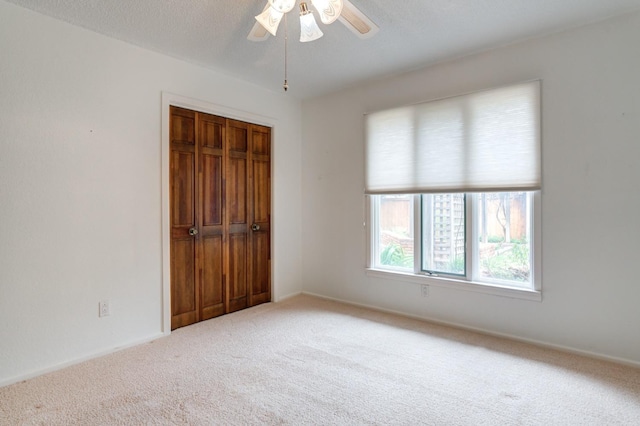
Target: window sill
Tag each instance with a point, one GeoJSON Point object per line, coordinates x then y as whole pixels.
{"type": "Point", "coordinates": [496, 290]}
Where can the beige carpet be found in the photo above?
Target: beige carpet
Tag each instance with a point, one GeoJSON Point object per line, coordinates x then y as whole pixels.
{"type": "Point", "coordinates": [312, 361]}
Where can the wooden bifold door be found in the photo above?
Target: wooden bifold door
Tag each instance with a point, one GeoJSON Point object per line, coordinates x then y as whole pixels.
{"type": "Point", "coordinates": [220, 215]}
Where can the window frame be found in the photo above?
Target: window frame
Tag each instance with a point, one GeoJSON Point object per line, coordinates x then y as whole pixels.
{"type": "Point", "coordinates": [467, 260]}
{"type": "Point", "coordinates": [465, 283]}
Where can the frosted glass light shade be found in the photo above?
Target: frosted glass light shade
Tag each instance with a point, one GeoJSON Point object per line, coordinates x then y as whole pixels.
{"type": "Point", "coordinates": [283, 6]}
{"type": "Point", "coordinates": [309, 29]}
{"type": "Point", "coordinates": [270, 19]}
{"type": "Point", "coordinates": [329, 10]}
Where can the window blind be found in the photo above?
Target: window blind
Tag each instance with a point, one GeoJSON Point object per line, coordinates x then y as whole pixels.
{"type": "Point", "coordinates": [479, 142]}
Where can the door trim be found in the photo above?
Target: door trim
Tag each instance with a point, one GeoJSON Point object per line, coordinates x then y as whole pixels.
{"type": "Point", "coordinates": [169, 99]}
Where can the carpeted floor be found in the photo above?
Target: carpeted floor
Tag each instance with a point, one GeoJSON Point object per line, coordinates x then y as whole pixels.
{"type": "Point", "coordinates": [312, 361]}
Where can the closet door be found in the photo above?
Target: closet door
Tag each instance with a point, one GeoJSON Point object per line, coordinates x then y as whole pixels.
{"type": "Point", "coordinates": [236, 204]}
{"type": "Point", "coordinates": [260, 216]}
{"type": "Point", "coordinates": [220, 192]}
{"type": "Point", "coordinates": [183, 193]}
{"type": "Point", "coordinates": [210, 248]}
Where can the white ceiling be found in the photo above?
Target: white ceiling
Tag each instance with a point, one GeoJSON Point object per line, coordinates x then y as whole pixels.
{"type": "Point", "coordinates": [413, 33]}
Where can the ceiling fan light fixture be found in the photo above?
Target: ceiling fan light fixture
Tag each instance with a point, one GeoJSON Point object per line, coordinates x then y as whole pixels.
{"type": "Point", "coordinates": [283, 6]}
{"type": "Point", "coordinates": [270, 20]}
{"type": "Point", "coordinates": [329, 10]}
{"type": "Point", "coordinates": [309, 29]}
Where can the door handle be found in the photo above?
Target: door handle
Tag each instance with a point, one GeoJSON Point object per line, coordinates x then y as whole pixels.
{"type": "Point", "coordinates": [255, 227]}
{"type": "Point", "coordinates": [193, 231]}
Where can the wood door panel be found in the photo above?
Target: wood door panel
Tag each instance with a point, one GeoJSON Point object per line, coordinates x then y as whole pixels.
{"type": "Point", "coordinates": [260, 202]}
{"type": "Point", "coordinates": [236, 193]}
{"type": "Point", "coordinates": [238, 136]}
{"type": "Point", "coordinates": [261, 142]}
{"type": "Point", "coordinates": [211, 131]}
{"type": "Point", "coordinates": [211, 190]}
{"type": "Point", "coordinates": [210, 141]}
{"type": "Point", "coordinates": [260, 279]}
{"type": "Point", "coordinates": [212, 277]}
{"type": "Point", "coordinates": [182, 126]}
{"type": "Point", "coordinates": [183, 188]}
{"type": "Point", "coordinates": [237, 272]}
{"type": "Point", "coordinates": [183, 277]}
{"type": "Point", "coordinates": [261, 192]}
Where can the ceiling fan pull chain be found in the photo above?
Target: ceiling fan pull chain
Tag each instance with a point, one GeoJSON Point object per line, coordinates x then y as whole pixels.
{"type": "Point", "coordinates": [285, 86]}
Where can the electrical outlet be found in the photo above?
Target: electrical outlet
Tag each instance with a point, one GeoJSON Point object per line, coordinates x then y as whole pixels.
{"type": "Point", "coordinates": [104, 310]}
{"type": "Point", "coordinates": [424, 289]}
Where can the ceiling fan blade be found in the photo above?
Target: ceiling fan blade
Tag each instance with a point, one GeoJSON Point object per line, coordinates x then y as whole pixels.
{"type": "Point", "coordinates": [357, 21]}
{"type": "Point", "coordinates": [258, 32]}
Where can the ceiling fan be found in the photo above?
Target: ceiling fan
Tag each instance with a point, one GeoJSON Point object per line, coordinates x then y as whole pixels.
{"type": "Point", "coordinates": [329, 11]}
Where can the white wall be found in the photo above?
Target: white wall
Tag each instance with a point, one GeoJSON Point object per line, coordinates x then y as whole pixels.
{"type": "Point", "coordinates": [590, 200]}
{"type": "Point", "coordinates": [80, 187]}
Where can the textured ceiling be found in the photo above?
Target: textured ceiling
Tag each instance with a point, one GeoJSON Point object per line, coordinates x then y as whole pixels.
{"type": "Point", "coordinates": [413, 33]}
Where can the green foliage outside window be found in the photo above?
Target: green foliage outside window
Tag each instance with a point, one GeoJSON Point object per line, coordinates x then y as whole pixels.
{"type": "Point", "coordinates": [394, 255]}
{"type": "Point", "coordinates": [511, 264]}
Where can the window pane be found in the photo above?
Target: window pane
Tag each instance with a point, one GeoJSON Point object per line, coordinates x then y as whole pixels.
{"type": "Point", "coordinates": [504, 229]}
{"type": "Point", "coordinates": [443, 233]}
{"type": "Point", "coordinates": [395, 231]}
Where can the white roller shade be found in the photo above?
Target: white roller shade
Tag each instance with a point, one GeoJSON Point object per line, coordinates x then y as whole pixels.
{"type": "Point", "coordinates": [485, 141]}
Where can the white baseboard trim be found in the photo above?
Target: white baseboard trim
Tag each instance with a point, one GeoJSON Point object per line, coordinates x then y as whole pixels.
{"type": "Point", "coordinates": [561, 348]}
{"type": "Point", "coordinates": [60, 366]}
{"type": "Point", "coordinates": [288, 296]}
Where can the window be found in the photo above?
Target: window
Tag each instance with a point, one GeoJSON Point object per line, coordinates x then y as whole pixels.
{"type": "Point", "coordinates": [453, 189]}
{"type": "Point", "coordinates": [481, 238]}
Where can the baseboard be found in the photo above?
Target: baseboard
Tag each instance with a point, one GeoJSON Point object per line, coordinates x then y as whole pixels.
{"type": "Point", "coordinates": [60, 366]}
{"type": "Point", "coordinates": [539, 343]}
{"type": "Point", "coordinates": [288, 296]}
